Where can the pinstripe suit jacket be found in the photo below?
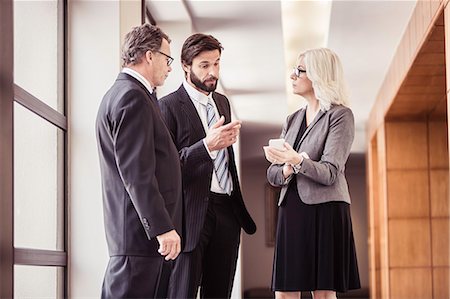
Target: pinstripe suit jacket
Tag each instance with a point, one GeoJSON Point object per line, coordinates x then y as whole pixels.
{"type": "Point", "coordinates": [187, 132]}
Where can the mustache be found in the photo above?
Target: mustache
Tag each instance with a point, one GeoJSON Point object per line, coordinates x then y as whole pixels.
{"type": "Point", "coordinates": [211, 78]}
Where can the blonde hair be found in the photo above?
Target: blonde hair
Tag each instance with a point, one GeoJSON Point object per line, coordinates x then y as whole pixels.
{"type": "Point", "coordinates": [324, 69]}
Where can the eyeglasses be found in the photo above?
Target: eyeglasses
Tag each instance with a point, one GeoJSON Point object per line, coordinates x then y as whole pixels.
{"type": "Point", "coordinates": [298, 71]}
{"type": "Point", "coordinates": [169, 59]}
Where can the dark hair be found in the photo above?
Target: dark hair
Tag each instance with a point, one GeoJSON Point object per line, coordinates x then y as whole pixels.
{"type": "Point", "coordinates": [140, 40]}
{"type": "Point", "coordinates": [197, 43]}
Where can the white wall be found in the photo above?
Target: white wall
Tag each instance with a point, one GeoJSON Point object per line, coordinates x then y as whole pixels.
{"type": "Point", "coordinates": [93, 63]}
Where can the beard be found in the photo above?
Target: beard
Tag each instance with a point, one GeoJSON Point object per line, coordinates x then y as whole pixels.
{"type": "Point", "coordinates": [201, 84]}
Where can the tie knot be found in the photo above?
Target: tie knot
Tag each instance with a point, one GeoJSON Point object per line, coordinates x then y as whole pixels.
{"type": "Point", "coordinates": [209, 105]}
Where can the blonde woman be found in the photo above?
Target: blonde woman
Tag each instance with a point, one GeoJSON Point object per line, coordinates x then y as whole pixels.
{"type": "Point", "coordinates": [315, 250]}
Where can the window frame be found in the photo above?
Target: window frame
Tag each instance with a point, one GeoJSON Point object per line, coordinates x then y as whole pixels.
{"type": "Point", "coordinates": [10, 93]}
{"type": "Point", "coordinates": [6, 149]}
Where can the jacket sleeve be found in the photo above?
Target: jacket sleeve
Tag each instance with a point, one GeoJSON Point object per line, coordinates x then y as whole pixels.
{"type": "Point", "coordinates": [336, 150]}
{"type": "Point", "coordinates": [133, 125]}
{"type": "Point", "coordinates": [275, 175]}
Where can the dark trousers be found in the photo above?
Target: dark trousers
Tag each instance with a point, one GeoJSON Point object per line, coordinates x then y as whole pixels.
{"type": "Point", "coordinates": [136, 277]}
{"type": "Point", "coordinates": [212, 264]}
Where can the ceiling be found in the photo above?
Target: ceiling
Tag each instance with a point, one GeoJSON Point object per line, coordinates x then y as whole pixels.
{"type": "Point", "coordinates": [262, 40]}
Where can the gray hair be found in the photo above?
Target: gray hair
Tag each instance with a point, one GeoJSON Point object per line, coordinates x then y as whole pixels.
{"type": "Point", "coordinates": [139, 40]}
{"type": "Point", "coordinates": [324, 69]}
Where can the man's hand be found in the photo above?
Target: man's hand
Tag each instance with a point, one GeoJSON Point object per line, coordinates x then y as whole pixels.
{"type": "Point", "coordinates": [222, 136]}
{"type": "Point", "coordinates": [169, 245]}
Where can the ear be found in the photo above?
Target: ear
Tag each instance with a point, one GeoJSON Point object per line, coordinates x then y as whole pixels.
{"type": "Point", "coordinates": [148, 56]}
{"type": "Point", "coordinates": [186, 68]}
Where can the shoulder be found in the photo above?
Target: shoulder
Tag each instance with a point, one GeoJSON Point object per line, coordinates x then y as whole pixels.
{"type": "Point", "coordinates": [126, 93]}
{"type": "Point", "coordinates": [339, 115]}
{"type": "Point", "coordinates": [173, 97]}
{"type": "Point", "coordinates": [339, 111]}
{"type": "Point", "coordinates": [133, 98]}
{"type": "Point", "coordinates": [294, 115]}
{"type": "Point", "coordinates": [127, 82]}
{"type": "Point", "coordinates": [170, 97]}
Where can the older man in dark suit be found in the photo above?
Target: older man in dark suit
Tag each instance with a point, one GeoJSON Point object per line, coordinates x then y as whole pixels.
{"type": "Point", "coordinates": [140, 170]}
{"type": "Point", "coordinates": [214, 211]}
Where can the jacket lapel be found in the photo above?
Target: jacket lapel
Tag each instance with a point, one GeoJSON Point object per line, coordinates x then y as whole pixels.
{"type": "Point", "coordinates": [191, 113]}
{"type": "Point", "coordinates": [294, 126]}
{"type": "Point", "coordinates": [319, 115]}
{"type": "Point", "coordinates": [221, 108]}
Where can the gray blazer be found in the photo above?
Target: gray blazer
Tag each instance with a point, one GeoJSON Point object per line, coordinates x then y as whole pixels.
{"type": "Point", "coordinates": [327, 141]}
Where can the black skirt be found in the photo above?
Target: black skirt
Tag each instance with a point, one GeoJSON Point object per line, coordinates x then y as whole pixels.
{"type": "Point", "coordinates": [315, 249]}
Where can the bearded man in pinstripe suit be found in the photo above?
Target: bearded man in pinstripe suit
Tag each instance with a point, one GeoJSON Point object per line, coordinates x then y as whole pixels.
{"type": "Point", "coordinates": [214, 212]}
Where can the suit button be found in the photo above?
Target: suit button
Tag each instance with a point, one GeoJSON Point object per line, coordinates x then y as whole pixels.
{"type": "Point", "coordinates": [145, 222]}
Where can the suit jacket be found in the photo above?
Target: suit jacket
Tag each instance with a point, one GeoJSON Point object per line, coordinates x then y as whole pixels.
{"type": "Point", "coordinates": [327, 141]}
{"type": "Point", "coordinates": [197, 166]}
{"type": "Point", "coordinates": [140, 169]}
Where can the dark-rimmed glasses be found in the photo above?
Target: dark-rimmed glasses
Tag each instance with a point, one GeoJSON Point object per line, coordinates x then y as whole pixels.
{"type": "Point", "coordinates": [298, 71]}
{"type": "Point", "coordinates": [169, 59]}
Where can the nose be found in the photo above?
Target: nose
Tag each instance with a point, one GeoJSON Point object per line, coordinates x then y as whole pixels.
{"type": "Point", "coordinates": [293, 77]}
{"type": "Point", "coordinates": [170, 69]}
{"type": "Point", "coordinates": [214, 71]}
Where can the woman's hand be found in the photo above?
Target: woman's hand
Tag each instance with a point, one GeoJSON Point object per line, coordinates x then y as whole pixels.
{"type": "Point", "coordinates": [282, 156]}
{"type": "Point", "coordinates": [287, 170]}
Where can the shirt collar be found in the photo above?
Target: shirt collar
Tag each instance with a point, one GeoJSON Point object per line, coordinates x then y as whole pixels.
{"type": "Point", "coordinates": [196, 95]}
{"type": "Point", "coordinates": [138, 77]}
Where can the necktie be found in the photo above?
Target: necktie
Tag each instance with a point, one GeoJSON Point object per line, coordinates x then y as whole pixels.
{"type": "Point", "coordinates": [221, 161]}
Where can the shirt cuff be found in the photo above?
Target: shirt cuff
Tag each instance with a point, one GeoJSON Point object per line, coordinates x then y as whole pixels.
{"type": "Point", "coordinates": [212, 154]}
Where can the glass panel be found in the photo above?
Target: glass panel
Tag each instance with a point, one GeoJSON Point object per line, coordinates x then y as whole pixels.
{"type": "Point", "coordinates": [36, 50]}
{"type": "Point", "coordinates": [38, 282]}
{"type": "Point", "coordinates": [38, 214]}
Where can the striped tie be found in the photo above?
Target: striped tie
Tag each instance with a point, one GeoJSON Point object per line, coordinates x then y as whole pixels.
{"type": "Point", "coordinates": [221, 161]}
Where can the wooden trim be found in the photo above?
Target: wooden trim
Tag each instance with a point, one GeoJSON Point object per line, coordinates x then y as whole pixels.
{"type": "Point", "coordinates": [38, 257]}
{"type": "Point", "coordinates": [6, 150]}
{"type": "Point", "coordinates": [383, 211]}
{"type": "Point", "coordinates": [400, 66]}
{"type": "Point", "coordinates": [40, 108]}
{"type": "Point", "coordinates": [371, 162]}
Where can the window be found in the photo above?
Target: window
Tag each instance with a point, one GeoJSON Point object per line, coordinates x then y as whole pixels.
{"type": "Point", "coordinates": [34, 127]}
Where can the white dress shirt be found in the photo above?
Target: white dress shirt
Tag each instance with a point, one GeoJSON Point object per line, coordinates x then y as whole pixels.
{"type": "Point", "coordinates": [200, 100]}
